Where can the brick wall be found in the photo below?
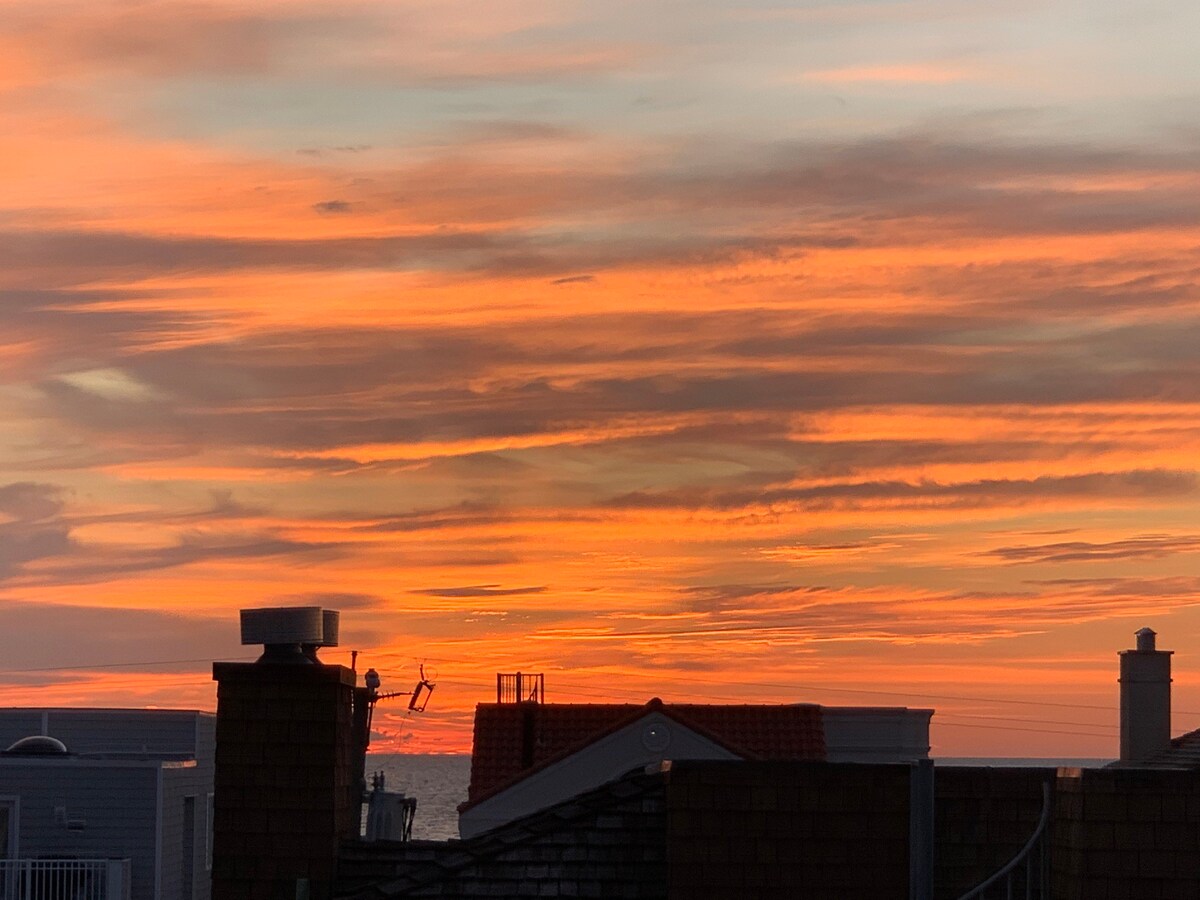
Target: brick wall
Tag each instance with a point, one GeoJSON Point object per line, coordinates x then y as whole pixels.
{"type": "Point", "coordinates": [982, 818]}
{"type": "Point", "coordinates": [1126, 834]}
{"type": "Point", "coordinates": [285, 792]}
{"type": "Point", "coordinates": [822, 831]}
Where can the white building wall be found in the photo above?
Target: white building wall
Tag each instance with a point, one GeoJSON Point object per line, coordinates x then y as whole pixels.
{"type": "Point", "coordinates": [180, 783]}
{"type": "Point", "coordinates": [88, 809]}
{"type": "Point", "coordinates": [875, 734]}
{"type": "Point", "coordinates": [116, 792]}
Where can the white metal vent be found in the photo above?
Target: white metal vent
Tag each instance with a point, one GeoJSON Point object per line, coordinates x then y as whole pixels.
{"type": "Point", "coordinates": [330, 619]}
{"type": "Point", "coordinates": [284, 625]}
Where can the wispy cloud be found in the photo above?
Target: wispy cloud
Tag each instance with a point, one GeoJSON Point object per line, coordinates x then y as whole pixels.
{"type": "Point", "coordinates": [481, 590]}
{"type": "Point", "coordinates": [34, 637]}
{"type": "Point", "coordinates": [1109, 485]}
{"type": "Point", "coordinates": [897, 73]}
{"type": "Point", "coordinates": [1150, 546]}
{"type": "Point", "coordinates": [587, 324]}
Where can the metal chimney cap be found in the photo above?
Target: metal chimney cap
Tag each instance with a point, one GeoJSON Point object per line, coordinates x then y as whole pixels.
{"type": "Point", "coordinates": [1145, 640]}
{"type": "Point", "coordinates": [330, 621]}
{"type": "Point", "coordinates": [283, 625]}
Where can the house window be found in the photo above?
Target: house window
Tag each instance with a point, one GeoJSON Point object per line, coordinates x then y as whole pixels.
{"type": "Point", "coordinates": [8, 827]}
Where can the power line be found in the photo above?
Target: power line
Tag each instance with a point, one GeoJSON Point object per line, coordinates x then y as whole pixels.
{"type": "Point", "coordinates": [120, 665]}
{"type": "Point", "coordinates": [578, 689]}
{"type": "Point", "coordinates": [939, 720]}
{"type": "Point", "coordinates": [792, 686]}
{"type": "Point", "coordinates": [1018, 728]}
{"type": "Point", "coordinates": [590, 690]}
{"type": "Point", "coordinates": [1113, 729]}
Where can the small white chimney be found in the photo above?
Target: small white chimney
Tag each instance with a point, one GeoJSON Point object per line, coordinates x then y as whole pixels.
{"type": "Point", "coordinates": [1145, 699]}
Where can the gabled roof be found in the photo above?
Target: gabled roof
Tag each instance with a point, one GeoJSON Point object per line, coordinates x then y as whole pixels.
{"type": "Point", "coordinates": [1184, 753]}
{"type": "Point", "coordinates": [607, 842]}
{"type": "Point", "coordinates": [513, 740]}
{"type": "Point", "coordinates": [1185, 749]}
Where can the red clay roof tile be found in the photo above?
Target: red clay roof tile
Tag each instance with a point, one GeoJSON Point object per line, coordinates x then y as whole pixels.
{"type": "Point", "coordinates": [512, 739]}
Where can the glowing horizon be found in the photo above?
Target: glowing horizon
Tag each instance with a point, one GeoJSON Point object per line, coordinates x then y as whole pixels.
{"type": "Point", "coordinates": [840, 352]}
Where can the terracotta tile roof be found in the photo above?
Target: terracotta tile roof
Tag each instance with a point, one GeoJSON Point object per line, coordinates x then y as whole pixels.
{"type": "Point", "coordinates": [514, 739]}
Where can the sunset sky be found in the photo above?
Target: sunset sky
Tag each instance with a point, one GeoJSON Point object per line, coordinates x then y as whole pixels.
{"type": "Point", "coordinates": [839, 352]}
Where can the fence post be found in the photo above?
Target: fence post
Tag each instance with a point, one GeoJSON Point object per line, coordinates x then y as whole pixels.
{"type": "Point", "coordinates": [920, 830]}
{"type": "Point", "coordinates": [114, 888]}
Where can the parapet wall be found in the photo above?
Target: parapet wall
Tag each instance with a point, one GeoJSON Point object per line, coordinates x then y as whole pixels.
{"type": "Point", "coordinates": [1126, 833]}
{"type": "Point", "coordinates": [982, 818]}
{"type": "Point", "coordinates": [820, 831]}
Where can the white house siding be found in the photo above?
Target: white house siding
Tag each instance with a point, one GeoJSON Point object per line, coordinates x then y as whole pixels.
{"type": "Point", "coordinates": [179, 783]}
{"type": "Point", "coordinates": [116, 789]}
{"type": "Point", "coordinates": [115, 799]}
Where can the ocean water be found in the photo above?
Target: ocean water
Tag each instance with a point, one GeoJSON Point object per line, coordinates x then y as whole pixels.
{"type": "Point", "coordinates": [438, 781]}
{"type": "Point", "coordinates": [1040, 762]}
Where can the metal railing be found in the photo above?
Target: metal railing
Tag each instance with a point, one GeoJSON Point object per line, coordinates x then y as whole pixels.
{"type": "Point", "coordinates": [64, 879]}
{"type": "Point", "coordinates": [1027, 874]}
{"type": "Point", "coordinates": [520, 687]}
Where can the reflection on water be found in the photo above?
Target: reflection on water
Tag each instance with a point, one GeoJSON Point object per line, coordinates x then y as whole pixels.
{"type": "Point", "coordinates": [1037, 762]}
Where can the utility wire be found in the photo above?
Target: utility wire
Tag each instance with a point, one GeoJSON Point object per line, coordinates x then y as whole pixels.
{"type": "Point", "coordinates": [576, 688]}
{"type": "Point", "coordinates": [940, 720]}
{"type": "Point", "coordinates": [792, 686]}
{"type": "Point", "coordinates": [120, 665]}
{"type": "Point", "coordinates": [943, 720]}
{"type": "Point", "coordinates": [944, 723]}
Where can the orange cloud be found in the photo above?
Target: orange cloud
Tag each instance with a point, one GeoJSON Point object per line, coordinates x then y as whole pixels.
{"type": "Point", "coordinates": [898, 73]}
{"type": "Point", "coordinates": [479, 325]}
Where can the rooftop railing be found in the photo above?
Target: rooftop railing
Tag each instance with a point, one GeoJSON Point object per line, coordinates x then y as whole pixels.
{"type": "Point", "coordinates": [64, 879]}
{"type": "Point", "coordinates": [520, 687]}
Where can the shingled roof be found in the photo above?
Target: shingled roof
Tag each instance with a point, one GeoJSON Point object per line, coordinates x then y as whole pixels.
{"type": "Point", "coordinates": [608, 842]}
{"type": "Point", "coordinates": [1184, 753]}
{"type": "Point", "coordinates": [513, 740]}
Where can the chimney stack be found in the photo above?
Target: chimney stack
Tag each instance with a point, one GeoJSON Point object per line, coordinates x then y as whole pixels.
{"type": "Point", "coordinates": [1145, 699]}
{"type": "Point", "coordinates": [288, 761]}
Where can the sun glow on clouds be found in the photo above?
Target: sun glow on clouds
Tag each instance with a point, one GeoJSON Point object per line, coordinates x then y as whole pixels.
{"type": "Point", "coordinates": [915, 73]}
{"type": "Point", "coordinates": [579, 341]}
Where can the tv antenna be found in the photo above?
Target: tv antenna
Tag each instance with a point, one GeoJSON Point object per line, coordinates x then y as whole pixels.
{"type": "Point", "coordinates": [418, 697]}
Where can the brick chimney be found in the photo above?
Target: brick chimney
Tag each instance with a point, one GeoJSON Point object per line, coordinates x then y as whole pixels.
{"type": "Point", "coordinates": [1145, 699]}
{"type": "Point", "coordinates": [288, 761]}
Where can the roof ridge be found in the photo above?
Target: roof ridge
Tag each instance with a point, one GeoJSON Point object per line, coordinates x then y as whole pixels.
{"type": "Point", "coordinates": [637, 712]}
{"type": "Point", "coordinates": [742, 734]}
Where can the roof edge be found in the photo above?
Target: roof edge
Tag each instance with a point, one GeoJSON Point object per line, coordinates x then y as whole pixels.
{"type": "Point", "coordinates": [654, 704]}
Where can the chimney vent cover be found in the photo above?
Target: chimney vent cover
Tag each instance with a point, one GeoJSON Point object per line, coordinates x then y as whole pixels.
{"type": "Point", "coordinates": [330, 619]}
{"type": "Point", "coordinates": [284, 625]}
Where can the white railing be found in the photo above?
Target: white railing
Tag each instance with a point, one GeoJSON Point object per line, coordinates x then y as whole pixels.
{"type": "Point", "coordinates": [64, 879]}
{"type": "Point", "coordinates": [1028, 873]}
